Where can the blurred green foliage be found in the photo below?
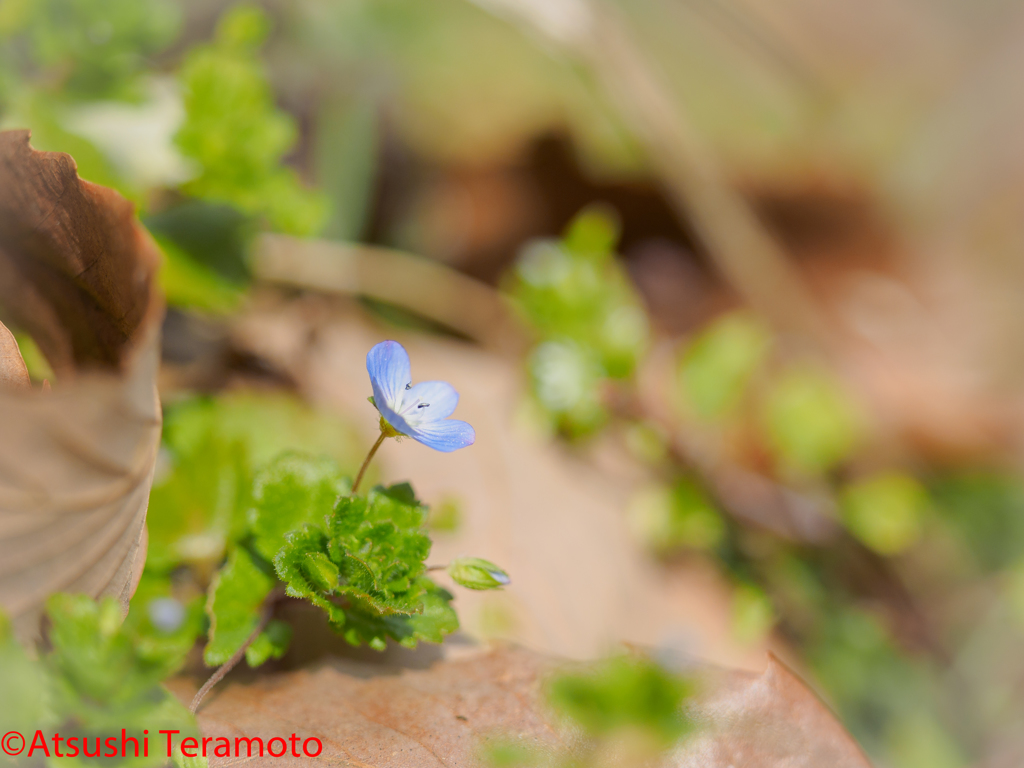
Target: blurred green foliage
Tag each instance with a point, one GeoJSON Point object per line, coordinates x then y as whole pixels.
{"type": "Point", "coordinates": [85, 49]}
{"type": "Point", "coordinates": [186, 282]}
{"type": "Point", "coordinates": [680, 515]}
{"type": "Point", "coordinates": [886, 696]}
{"type": "Point", "coordinates": [624, 695]}
{"type": "Point", "coordinates": [97, 677]}
{"type": "Point", "coordinates": [214, 446]}
{"type": "Point", "coordinates": [165, 619]}
{"type": "Point", "coordinates": [985, 510]}
{"type": "Point", "coordinates": [169, 129]}
{"type": "Point", "coordinates": [718, 365]}
{"type": "Point", "coordinates": [810, 422]}
{"type": "Point", "coordinates": [37, 364]}
{"type": "Point", "coordinates": [446, 515]}
{"type": "Point", "coordinates": [590, 324]}
{"type": "Point", "coordinates": [752, 613]}
{"type": "Point", "coordinates": [467, 87]}
{"type": "Point", "coordinates": [886, 512]}
{"type": "Point", "coordinates": [235, 132]}
{"type": "Point", "coordinates": [24, 705]}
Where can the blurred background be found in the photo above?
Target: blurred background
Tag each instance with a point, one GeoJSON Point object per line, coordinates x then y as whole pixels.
{"type": "Point", "coordinates": [731, 290]}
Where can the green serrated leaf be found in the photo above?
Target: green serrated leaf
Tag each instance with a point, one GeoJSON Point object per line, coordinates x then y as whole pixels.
{"type": "Point", "coordinates": [380, 546]}
{"type": "Point", "coordinates": [321, 572]}
{"type": "Point", "coordinates": [367, 570]}
{"type": "Point", "coordinates": [435, 620]}
{"type": "Point", "coordinates": [292, 566]}
{"type": "Point", "coordinates": [271, 644]}
{"type": "Point", "coordinates": [294, 490]}
{"type": "Point", "coordinates": [236, 598]}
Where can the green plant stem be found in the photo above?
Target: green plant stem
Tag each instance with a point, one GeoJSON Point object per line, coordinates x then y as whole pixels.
{"type": "Point", "coordinates": [227, 666]}
{"type": "Point", "coordinates": [366, 462]}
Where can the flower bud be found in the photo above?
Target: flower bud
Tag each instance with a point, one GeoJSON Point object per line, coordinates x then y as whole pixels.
{"type": "Point", "coordinates": [474, 573]}
{"type": "Point", "coordinates": [321, 572]}
{"type": "Point", "coordinates": [388, 430]}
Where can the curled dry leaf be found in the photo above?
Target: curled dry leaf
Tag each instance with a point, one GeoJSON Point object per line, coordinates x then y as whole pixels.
{"type": "Point", "coordinates": [387, 717]}
{"type": "Point", "coordinates": [76, 463]}
{"type": "Point", "coordinates": [13, 371]}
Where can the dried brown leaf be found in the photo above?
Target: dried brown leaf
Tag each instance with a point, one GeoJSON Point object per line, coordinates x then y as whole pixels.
{"type": "Point", "coordinates": [387, 717]}
{"type": "Point", "coordinates": [76, 463]}
{"type": "Point", "coordinates": [13, 371]}
{"type": "Point", "coordinates": [380, 715]}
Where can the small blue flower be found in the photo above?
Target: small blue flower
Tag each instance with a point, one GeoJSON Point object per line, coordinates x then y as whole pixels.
{"type": "Point", "coordinates": [421, 412]}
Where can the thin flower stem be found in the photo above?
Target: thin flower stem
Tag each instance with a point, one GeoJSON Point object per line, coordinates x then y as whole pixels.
{"type": "Point", "coordinates": [366, 462]}
{"type": "Point", "coordinates": [437, 567]}
{"type": "Point", "coordinates": [227, 666]}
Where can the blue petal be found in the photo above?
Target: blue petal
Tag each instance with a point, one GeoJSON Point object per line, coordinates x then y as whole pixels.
{"type": "Point", "coordinates": [393, 418]}
{"type": "Point", "coordinates": [390, 373]}
{"type": "Point", "coordinates": [429, 401]}
{"type": "Point", "coordinates": [447, 435]}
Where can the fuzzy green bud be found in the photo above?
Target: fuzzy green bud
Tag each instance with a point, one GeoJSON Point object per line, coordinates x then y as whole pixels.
{"type": "Point", "coordinates": [474, 573]}
{"type": "Point", "coordinates": [321, 572]}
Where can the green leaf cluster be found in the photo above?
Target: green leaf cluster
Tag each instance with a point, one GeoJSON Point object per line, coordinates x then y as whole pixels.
{"type": "Point", "coordinates": [365, 567]}
{"type": "Point", "coordinates": [237, 134]}
{"type": "Point", "coordinates": [590, 324]}
{"type": "Point", "coordinates": [292, 491]}
{"type": "Point", "coordinates": [87, 49]}
{"type": "Point", "coordinates": [97, 676]}
{"type": "Point", "coordinates": [210, 508]}
{"type": "Point", "coordinates": [230, 516]}
{"type": "Point", "coordinates": [215, 446]}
